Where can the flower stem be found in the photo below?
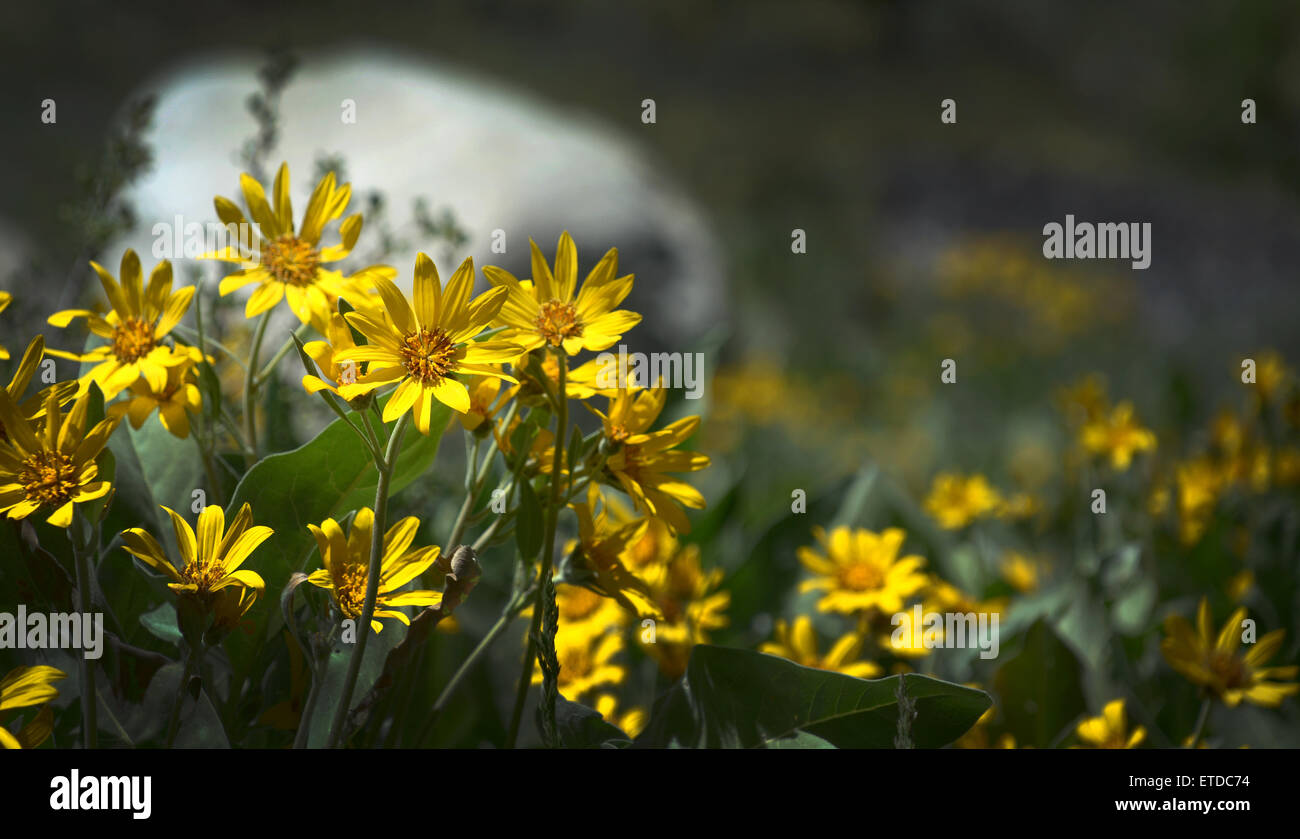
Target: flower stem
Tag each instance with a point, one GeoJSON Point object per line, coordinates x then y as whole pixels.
{"type": "Point", "coordinates": [502, 622]}
{"type": "Point", "coordinates": [174, 719]}
{"type": "Point", "coordinates": [385, 469]}
{"type": "Point", "coordinates": [265, 372]}
{"type": "Point", "coordinates": [89, 708]}
{"type": "Point", "coordinates": [251, 384]}
{"type": "Point", "coordinates": [548, 545]}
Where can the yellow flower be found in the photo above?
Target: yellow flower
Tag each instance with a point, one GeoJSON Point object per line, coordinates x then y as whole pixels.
{"type": "Point", "coordinates": [288, 263]}
{"type": "Point", "coordinates": [421, 347]}
{"type": "Point", "coordinates": [691, 605]}
{"type": "Point", "coordinates": [1119, 436]}
{"type": "Point", "coordinates": [1271, 374]}
{"type": "Point", "coordinates": [1020, 571]}
{"type": "Point", "coordinates": [1110, 730]}
{"type": "Point", "coordinates": [642, 458]}
{"type": "Point", "coordinates": [485, 399]}
{"type": "Point", "coordinates": [600, 548]}
{"type": "Point", "coordinates": [5, 299]}
{"type": "Point", "coordinates": [174, 403]}
{"type": "Point", "coordinates": [545, 312]}
{"type": "Point", "coordinates": [799, 644]}
{"type": "Point", "coordinates": [1019, 506]}
{"type": "Point", "coordinates": [632, 722]}
{"type": "Point", "coordinates": [134, 328]}
{"type": "Point", "coordinates": [34, 407]}
{"type": "Point", "coordinates": [585, 611]}
{"type": "Point", "coordinates": [1198, 491]}
{"type": "Point", "coordinates": [347, 558]}
{"type": "Point", "coordinates": [24, 687]}
{"type": "Point", "coordinates": [209, 569]}
{"type": "Point", "coordinates": [861, 570]}
{"type": "Point", "coordinates": [1213, 661]}
{"type": "Point", "coordinates": [50, 464]}
{"type": "Point", "coordinates": [1085, 400]}
{"type": "Point", "coordinates": [955, 500]}
{"type": "Point", "coordinates": [586, 661]}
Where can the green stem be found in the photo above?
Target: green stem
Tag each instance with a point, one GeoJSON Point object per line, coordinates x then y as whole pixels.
{"type": "Point", "coordinates": [372, 579]}
{"type": "Point", "coordinates": [548, 545]}
{"type": "Point", "coordinates": [502, 622]}
{"type": "Point", "coordinates": [265, 372]}
{"type": "Point", "coordinates": [174, 718]}
{"type": "Point", "coordinates": [89, 708]}
{"type": "Point", "coordinates": [251, 384]}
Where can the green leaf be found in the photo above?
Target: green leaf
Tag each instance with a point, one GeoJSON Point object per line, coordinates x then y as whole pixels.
{"type": "Point", "coordinates": [733, 698]}
{"type": "Point", "coordinates": [580, 727]}
{"type": "Point", "coordinates": [161, 623]}
{"type": "Point", "coordinates": [372, 666]}
{"type": "Point", "coordinates": [1042, 688]}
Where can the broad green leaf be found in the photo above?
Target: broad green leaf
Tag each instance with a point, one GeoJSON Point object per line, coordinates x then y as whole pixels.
{"type": "Point", "coordinates": [580, 727]}
{"type": "Point", "coordinates": [731, 698]}
{"type": "Point", "coordinates": [377, 650]}
{"type": "Point", "coordinates": [1041, 688]}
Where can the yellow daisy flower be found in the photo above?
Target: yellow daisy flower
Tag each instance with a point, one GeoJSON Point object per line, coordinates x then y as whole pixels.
{"type": "Point", "coordinates": [1118, 436]}
{"type": "Point", "coordinates": [643, 458]}
{"type": "Point", "coordinates": [861, 570]}
{"type": "Point", "coordinates": [1213, 661]}
{"type": "Point", "coordinates": [34, 406]}
{"type": "Point", "coordinates": [692, 608]}
{"type": "Point", "coordinates": [49, 463]}
{"type": "Point", "coordinates": [134, 328]}
{"type": "Point", "coordinates": [24, 687]}
{"type": "Point", "coordinates": [1020, 571]}
{"type": "Point", "coordinates": [1270, 375]}
{"type": "Point", "coordinates": [955, 500]}
{"type": "Point", "coordinates": [485, 400]}
{"type": "Point", "coordinates": [209, 568]}
{"type": "Point", "coordinates": [174, 403]}
{"type": "Point", "coordinates": [799, 644]}
{"type": "Point", "coordinates": [289, 263]}
{"type": "Point", "coordinates": [545, 312]}
{"type": "Point", "coordinates": [1110, 730]}
{"type": "Point", "coordinates": [423, 345]}
{"type": "Point", "coordinates": [347, 560]}
{"type": "Point", "coordinates": [600, 548]}
{"type": "Point", "coordinates": [338, 337]}
{"type": "Point", "coordinates": [582, 609]}
{"type": "Point", "coordinates": [586, 661]}
{"type": "Point", "coordinates": [5, 299]}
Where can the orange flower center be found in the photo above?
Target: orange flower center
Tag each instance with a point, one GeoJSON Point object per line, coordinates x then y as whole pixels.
{"type": "Point", "coordinates": [1229, 670]}
{"type": "Point", "coordinates": [133, 339]}
{"type": "Point", "coordinates": [350, 590]}
{"type": "Point", "coordinates": [558, 321]}
{"type": "Point", "coordinates": [291, 260]}
{"type": "Point", "coordinates": [48, 477]}
{"type": "Point", "coordinates": [204, 574]}
{"type": "Point", "coordinates": [862, 576]}
{"type": "Point", "coordinates": [428, 356]}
